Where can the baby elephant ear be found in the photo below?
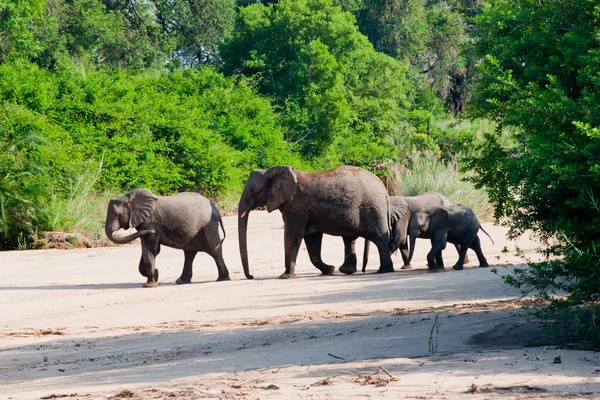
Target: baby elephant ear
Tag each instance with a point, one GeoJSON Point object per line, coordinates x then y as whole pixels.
{"type": "Point", "coordinates": [282, 183]}
{"type": "Point", "coordinates": [143, 203]}
{"type": "Point", "coordinates": [438, 219]}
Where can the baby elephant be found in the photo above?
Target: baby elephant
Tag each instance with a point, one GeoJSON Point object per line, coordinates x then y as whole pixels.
{"type": "Point", "coordinates": [456, 224]}
{"type": "Point", "coordinates": [186, 221]}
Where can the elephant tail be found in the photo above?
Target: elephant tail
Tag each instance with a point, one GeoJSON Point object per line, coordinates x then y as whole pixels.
{"type": "Point", "coordinates": [222, 228]}
{"type": "Point", "coordinates": [366, 254]}
{"type": "Point", "coordinates": [488, 235]}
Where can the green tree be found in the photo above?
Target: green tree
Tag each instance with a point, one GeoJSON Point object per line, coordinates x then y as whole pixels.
{"type": "Point", "coordinates": [196, 27]}
{"type": "Point", "coordinates": [539, 76]}
{"type": "Point", "coordinates": [334, 90]}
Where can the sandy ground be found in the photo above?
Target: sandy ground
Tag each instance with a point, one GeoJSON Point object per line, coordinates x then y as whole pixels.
{"type": "Point", "coordinates": [78, 324]}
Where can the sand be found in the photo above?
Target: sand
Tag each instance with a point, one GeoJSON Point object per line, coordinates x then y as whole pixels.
{"type": "Point", "coordinates": [78, 324]}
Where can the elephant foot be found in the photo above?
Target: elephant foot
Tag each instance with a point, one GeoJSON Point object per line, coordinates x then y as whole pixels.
{"type": "Point", "coordinates": [348, 269]}
{"type": "Point", "coordinates": [181, 281]}
{"type": "Point", "coordinates": [328, 270]}
{"type": "Point", "coordinates": [407, 266]}
{"type": "Point", "coordinates": [150, 284]}
{"type": "Point", "coordinates": [457, 267]}
{"type": "Point", "coordinates": [287, 275]}
{"type": "Point", "coordinates": [385, 270]}
{"type": "Point", "coordinates": [484, 265]}
{"type": "Point", "coordinates": [223, 278]}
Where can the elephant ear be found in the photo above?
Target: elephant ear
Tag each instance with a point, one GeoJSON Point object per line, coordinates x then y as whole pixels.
{"type": "Point", "coordinates": [282, 184]}
{"type": "Point", "coordinates": [142, 204]}
{"type": "Point", "coordinates": [438, 219]}
{"type": "Point", "coordinates": [398, 208]}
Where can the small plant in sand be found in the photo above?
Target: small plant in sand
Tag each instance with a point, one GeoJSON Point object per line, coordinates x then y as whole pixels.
{"type": "Point", "coordinates": [433, 335]}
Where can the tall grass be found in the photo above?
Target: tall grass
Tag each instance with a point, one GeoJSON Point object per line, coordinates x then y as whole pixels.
{"type": "Point", "coordinates": [82, 210]}
{"type": "Point", "coordinates": [425, 172]}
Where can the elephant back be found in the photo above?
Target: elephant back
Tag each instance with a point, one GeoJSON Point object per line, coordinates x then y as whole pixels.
{"type": "Point", "coordinates": [189, 212]}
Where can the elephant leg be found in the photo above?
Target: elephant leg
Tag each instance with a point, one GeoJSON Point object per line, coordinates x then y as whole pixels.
{"type": "Point", "coordinates": [401, 239]}
{"type": "Point", "coordinates": [404, 253]}
{"type": "Point", "coordinates": [461, 256]}
{"type": "Point", "coordinates": [142, 267]}
{"type": "Point", "coordinates": [293, 240]}
{"type": "Point", "coordinates": [214, 248]}
{"type": "Point", "coordinates": [221, 267]}
{"type": "Point", "coordinates": [313, 246]}
{"type": "Point", "coordinates": [150, 249]}
{"type": "Point", "coordinates": [439, 260]}
{"type": "Point", "coordinates": [349, 265]}
{"type": "Point", "coordinates": [476, 246]}
{"type": "Point", "coordinates": [186, 274]}
{"type": "Point", "coordinates": [385, 255]}
{"type": "Point", "coordinates": [431, 264]}
{"type": "Point", "coordinates": [458, 251]}
{"type": "Point", "coordinates": [438, 243]}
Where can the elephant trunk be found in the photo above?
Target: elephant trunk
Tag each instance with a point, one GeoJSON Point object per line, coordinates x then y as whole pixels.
{"type": "Point", "coordinates": [243, 213]}
{"type": "Point", "coordinates": [413, 233]}
{"type": "Point", "coordinates": [366, 255]}
{"type": "Point", "coordinates": [124, 239]}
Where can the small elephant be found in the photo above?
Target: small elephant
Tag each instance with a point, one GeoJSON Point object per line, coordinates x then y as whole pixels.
{"type": "Point", "coordinates": [346, 201]}
{"type": "Point", "coordinates": [456, 224]}
{"type": "Point", "coordinates": [402, 208]}
{"type": "Point", "coordinates": [186, 221]}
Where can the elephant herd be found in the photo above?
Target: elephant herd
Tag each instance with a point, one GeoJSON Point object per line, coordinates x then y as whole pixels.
{"type": "Point", "coordinates": [347, 201]}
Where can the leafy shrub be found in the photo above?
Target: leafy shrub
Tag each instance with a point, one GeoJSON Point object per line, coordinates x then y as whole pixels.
{"type": "Point", "coordinates": [167, 131]}
{"type": "Point", "coordinates": [334, 89]}
{"type": "Point", "coordinates": [539, 76]}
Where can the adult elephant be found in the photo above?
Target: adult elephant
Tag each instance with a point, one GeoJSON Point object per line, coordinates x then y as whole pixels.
{"type": "Point", "coordinates": [456, 224]}
{"type": "Point", "coordinates": [186, 221]}
{"type": "Point", "coordinates": [346, 201]}
{"type": "Point", "coordinates": [402, 208]}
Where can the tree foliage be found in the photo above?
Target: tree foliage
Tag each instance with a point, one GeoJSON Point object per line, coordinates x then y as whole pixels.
{"type": "Point", "coordinates": [170, 131]}
{"type": "Point", "coordinates": [108, 95]}
{"type": "Point", "coordinates": [335, 91]}
{"type": "Point", "coordinates": [540, 76]}
{"type": "Point", "coordinates": [430, 36]}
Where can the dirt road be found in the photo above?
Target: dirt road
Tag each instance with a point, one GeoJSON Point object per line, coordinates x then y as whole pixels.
{"type": "Point", "coordinates": [77, 323]}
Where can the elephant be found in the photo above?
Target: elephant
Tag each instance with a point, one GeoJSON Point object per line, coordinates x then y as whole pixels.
{"type": "Point", "coordinates": [402, 208]}
{"type": "Point", "coordinates": [456, 224]}
{"type": "Point", "coordinates": [345, 201]}
{"type": "Point", "coordinates": [186, 221]}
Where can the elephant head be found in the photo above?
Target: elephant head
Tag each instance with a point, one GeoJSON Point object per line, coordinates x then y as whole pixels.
{"type": "Point", "coordinates": [271, 188]}
{"type": "Point", "coordinates": [129, 211]}
{"type": "Point", "coordinates": [425, 224]}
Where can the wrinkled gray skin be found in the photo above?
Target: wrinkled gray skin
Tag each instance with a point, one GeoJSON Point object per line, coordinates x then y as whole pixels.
{"type": "Point", "coordinates": [456, 224]}
{"type": "Point", "coordinates": [402, 208]}
{"type": "Point", "coordinates": [346, 201]}
{"type": "Point", "coordinates": [186, 221]}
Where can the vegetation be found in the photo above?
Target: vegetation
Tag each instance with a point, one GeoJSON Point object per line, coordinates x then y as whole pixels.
{"type": "Point", "coordinates": [540, 75]}
{"type": "Point", "coordinates": [98, 97]}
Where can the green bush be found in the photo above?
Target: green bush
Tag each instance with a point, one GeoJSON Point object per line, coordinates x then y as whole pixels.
{"type": "Point", "coordinates": [539, 76]}
{"type": "Point", "coordinates": [168, 131]}
{"type": "Point", "coordinates": [334, 89]}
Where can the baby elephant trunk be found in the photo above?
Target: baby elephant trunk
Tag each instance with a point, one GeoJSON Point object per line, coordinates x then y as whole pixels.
{"type": "Point", "coordinates": [110, 234]}
{"type": "Point", "coordinates": [413, 233]}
